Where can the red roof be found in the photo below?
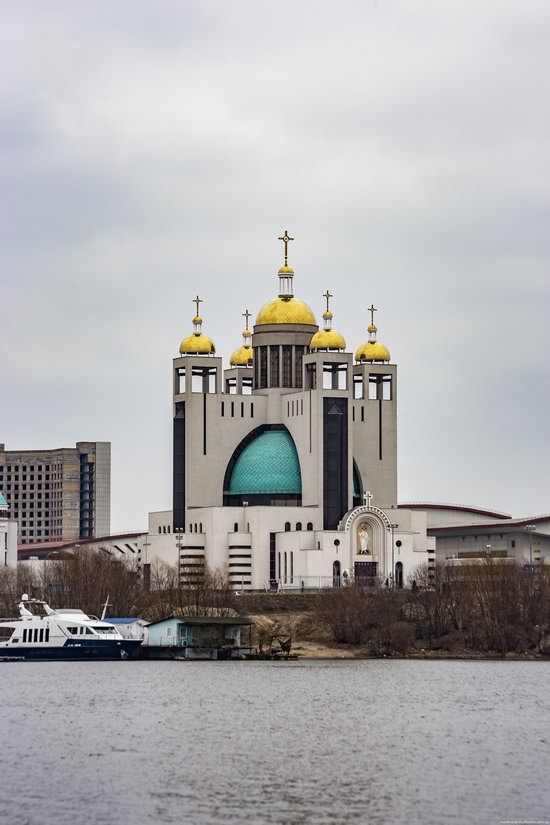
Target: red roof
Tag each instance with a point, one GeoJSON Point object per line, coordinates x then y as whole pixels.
{"type": "Point", "coordinates": [465, 508]}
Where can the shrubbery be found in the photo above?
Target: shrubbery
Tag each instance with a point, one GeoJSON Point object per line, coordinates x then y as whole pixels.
{"type": "Point", "coordinates": [489, 606]}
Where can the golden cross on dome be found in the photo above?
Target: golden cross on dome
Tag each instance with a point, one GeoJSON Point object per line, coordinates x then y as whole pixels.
{"type": "Point", "coordinates": [328, 295]}
{"type": "Point", "coordinates": [372, 309]}
{"type": "Point", "coordinates": [247, 315]}
{"type": "Point", "coordinates": [286, 238]}
{"type": "Point", "coordinates": [197, 301]}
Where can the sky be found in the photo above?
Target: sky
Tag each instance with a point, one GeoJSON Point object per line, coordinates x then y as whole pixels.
{"type": "Point", "coordinates": [150, 150]}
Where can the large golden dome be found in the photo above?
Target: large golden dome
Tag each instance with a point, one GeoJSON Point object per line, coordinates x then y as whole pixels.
{"type": "Point", "coordinates": [373, 351]}
{"type": "Point", "coordinates": [286, 311]}
{"type": "Point", "coordinates": [327, 339]}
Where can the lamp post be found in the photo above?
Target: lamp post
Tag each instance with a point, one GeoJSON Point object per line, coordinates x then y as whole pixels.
{"type": "Point", "coordinates": [146, 544]}
{"type": "Point", "coordinates": [392, 528]}
{"type": "Point", "coordinates": [530, 528]}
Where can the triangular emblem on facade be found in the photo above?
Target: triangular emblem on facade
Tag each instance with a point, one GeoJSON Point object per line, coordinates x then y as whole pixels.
{"type": "Point", "coordinates": [335, 411]}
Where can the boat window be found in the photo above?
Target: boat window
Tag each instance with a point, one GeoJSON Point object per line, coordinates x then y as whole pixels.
{"type": "Point", "coordinates": [47, 634]}
{"type": "Point", "coordinates": [5, 632]}
{"type": "Point", "coordinates": [99, 629]}
{"type": "Point", "coordinates": [41, 635]}
{"type": "Point", "coordinates": [24, 635]}
{"type": "Point", "coordinates": [73, 630]}
{"type": "Point", "coordinates": [89, 631]}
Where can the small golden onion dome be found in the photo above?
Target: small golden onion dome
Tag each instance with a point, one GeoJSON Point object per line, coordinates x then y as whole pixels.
{"type": "Point", "coordinates": [285, 311]}
{"type": "Point", "coordinates": [373, 351]}
{"type": "Point", "coordinates": [286, 270]}
{"type": "Point", "coordinates": [242, 357]}
{"type": "Point", "coordinates": [200, 344]}
{"type": "Point", "coordinates": [327, 339]}
{"type": "Point", "coordinates": [327, 315]}
{"type": "Point", "coordinates": [373, 328]}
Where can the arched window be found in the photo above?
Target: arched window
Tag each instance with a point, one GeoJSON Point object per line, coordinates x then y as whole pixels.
{"type": "Point", "coordinates": [336, 574]}
{"type": "Point", "coordinates": [399, 574]}
{"type": "Point", "coordinates": [291, 566]}
{"type": "Point", "coordinates": [309, 525]}
{"type": "Point", "coordinates": [287, 527]}
{"type": "Point", "coordinates": [298, 525]}
{"type": "Point", "coordinates": [164, 528]}
{"type": "Point", "coordinates": [160, 529]}
{"type": "Point", "coordinates": [190, 528]}
{"type": "Point", "coordinates": [286, 566]}
{"type": "Point", "coordinates": [200, 527]}
{"type": "Point", "coordinates": [235, 528]}
{"type": "Point", "coordinates": [168, 529]}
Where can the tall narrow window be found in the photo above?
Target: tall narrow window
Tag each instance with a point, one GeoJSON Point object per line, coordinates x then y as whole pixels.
{"type": "Point", "coordinates": [180, 380]}
{"type": "Point", "coordinates": [287, 366]}
{"type": "Point", "coordinates": [274, 366]}
{"type": "Point", "coordinates": [263, 366]}
{"type": "Point", "coordinates": [291, 566]}
{"type": "Point", "coordinates": [298, 357]}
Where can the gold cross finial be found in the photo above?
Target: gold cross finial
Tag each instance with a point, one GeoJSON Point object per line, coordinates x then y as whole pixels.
{"type": "Point", "coordinates": [286, 238]}
{"type": "Point", "coordinates": [328, 295]}
{"type": "Point", "coordinates": [246, 316]}
{"type": "Point", "coordinates": [372, 309]}
{"type": "Point", "coordinates": [197, 301]}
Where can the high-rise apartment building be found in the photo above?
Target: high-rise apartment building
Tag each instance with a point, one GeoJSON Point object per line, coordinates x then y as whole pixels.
{"type": "Point", "coordinates": [58, 494]}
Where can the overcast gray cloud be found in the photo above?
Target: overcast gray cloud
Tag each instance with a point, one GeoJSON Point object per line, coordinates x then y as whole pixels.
{"type": "Point", "coordinates": [152, 149]}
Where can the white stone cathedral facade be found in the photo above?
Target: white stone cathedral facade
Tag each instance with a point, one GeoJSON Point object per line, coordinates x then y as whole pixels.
{"type": "Point", "coordinates": [285, 464]}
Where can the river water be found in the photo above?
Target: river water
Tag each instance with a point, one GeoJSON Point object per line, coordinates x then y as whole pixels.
{"type": "Point", "coordinates": [297, 743]}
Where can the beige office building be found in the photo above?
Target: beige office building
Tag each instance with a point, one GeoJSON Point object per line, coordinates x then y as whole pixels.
{"type": "Point", "coordinates": [58, 494]}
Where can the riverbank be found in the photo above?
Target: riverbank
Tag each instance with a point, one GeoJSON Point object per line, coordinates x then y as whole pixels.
{"type": "Point", "coordinates": [296, 617]}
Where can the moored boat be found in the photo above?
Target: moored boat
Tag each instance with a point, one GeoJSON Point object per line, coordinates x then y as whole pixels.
{"type": "Point", "coordinates": [42, 633]}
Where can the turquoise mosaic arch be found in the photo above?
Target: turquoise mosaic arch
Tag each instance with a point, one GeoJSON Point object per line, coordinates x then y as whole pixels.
{"type": "Point", "coordinates": [357, 485]}
{"type": "Point", "coordinates": [268, 465]}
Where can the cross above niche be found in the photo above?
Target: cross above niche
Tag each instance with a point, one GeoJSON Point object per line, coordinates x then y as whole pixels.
{"type": "Point", "coordinates": [368, 497]}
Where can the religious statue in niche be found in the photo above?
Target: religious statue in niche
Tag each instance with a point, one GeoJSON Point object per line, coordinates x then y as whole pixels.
{"type": "Point", "coordinates": [364, 540]}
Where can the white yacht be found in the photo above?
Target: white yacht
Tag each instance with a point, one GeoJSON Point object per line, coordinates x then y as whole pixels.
{"type": "Point", "coordinates": [42, 633]}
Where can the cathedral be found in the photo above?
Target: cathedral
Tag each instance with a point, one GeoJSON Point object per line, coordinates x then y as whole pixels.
{"type": "Point", "coordinates": [285, 464]}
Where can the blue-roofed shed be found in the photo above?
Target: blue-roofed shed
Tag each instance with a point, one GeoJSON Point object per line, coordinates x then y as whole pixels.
{"type": "Point", "coordinates": [131, 627]}
{"type": "Point", "coordinates": [198, 637]}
